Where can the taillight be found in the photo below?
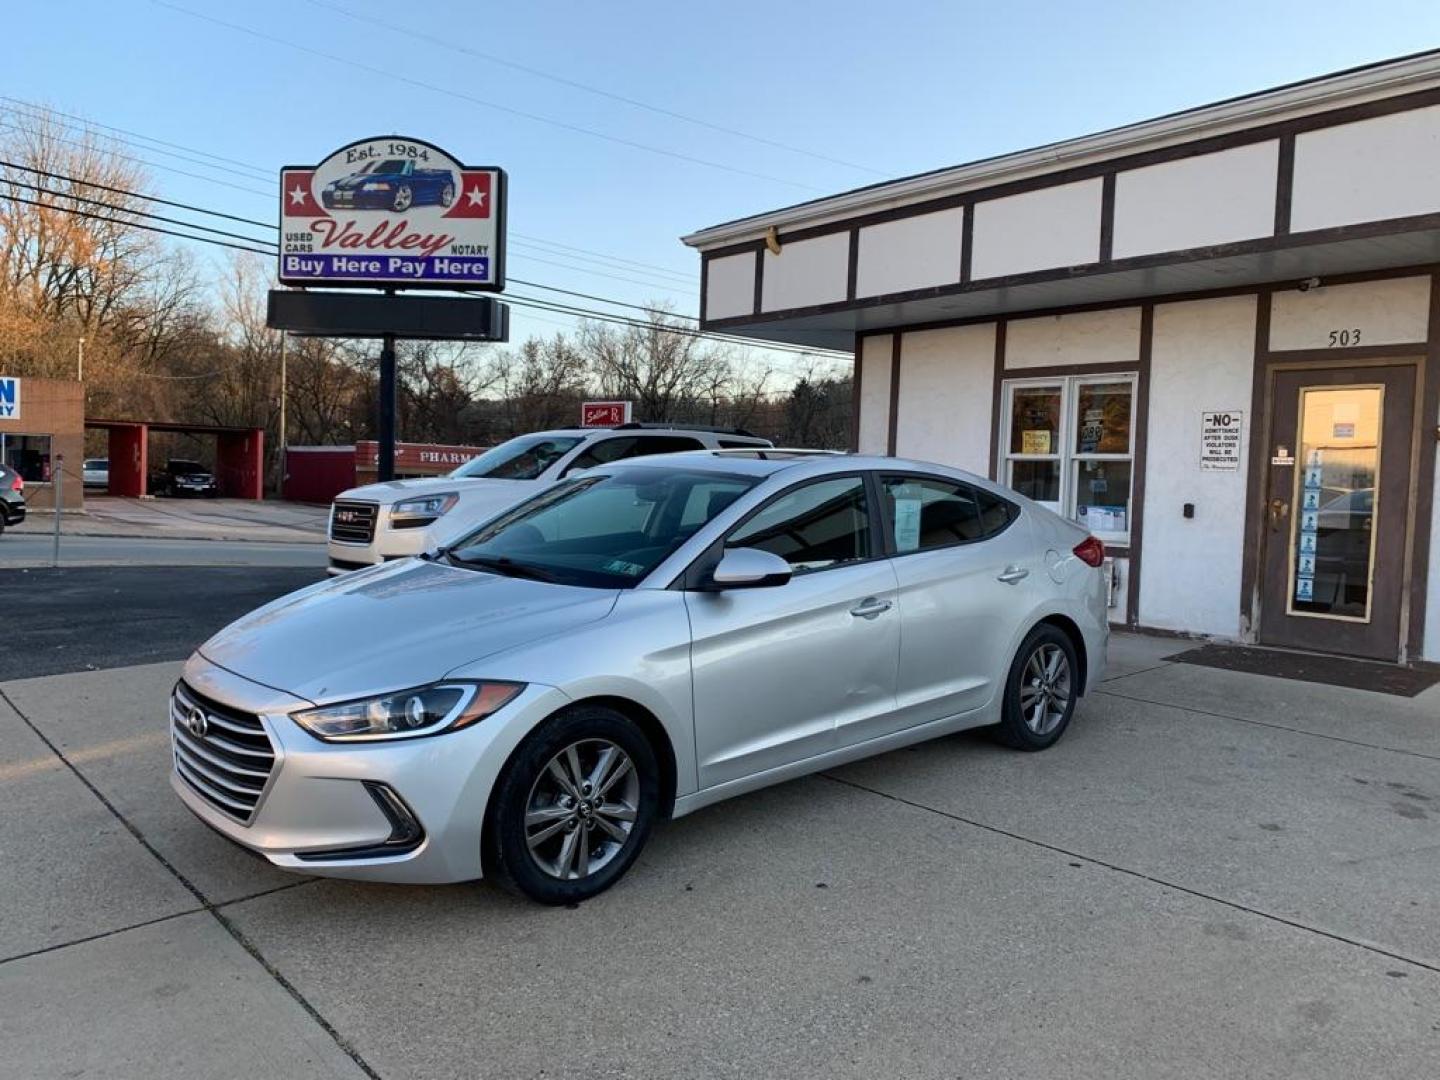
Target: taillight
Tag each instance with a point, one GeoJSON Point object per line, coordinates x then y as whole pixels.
{"type": "Point", "coordinates": [18, 484]}
{"type": "Point", "coordinates": [1090, 551]}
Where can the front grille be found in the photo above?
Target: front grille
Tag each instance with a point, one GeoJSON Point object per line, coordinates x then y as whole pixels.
{"type": "Point", "coordinates": [353, 522]}
{"type": "Point", "coordinates": [228, 761]}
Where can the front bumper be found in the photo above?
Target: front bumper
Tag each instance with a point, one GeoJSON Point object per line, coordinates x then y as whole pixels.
{"type": "Point", "coordinates": [321, 813]}
{"type": "Point", "coordinates": [387, 543]}
{"type": "Point", "coordinates": [358, 200]}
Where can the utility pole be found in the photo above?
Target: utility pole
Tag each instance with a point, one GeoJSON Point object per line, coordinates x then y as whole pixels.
{"type": "Point", "coordinates": [385, 422]}
{"type": "Point", "coordinates": [284, 337]}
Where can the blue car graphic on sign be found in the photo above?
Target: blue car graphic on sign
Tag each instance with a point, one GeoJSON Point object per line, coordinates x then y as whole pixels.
{"type": "Point", "coordinates": [390, 184]}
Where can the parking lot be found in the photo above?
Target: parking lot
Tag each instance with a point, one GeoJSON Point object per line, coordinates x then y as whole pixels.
{"type": "Point", "coordinates": [1213, 874]}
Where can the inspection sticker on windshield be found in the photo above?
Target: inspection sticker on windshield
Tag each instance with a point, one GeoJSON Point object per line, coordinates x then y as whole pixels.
{"type": "Point", "coordinates": [620, 566]}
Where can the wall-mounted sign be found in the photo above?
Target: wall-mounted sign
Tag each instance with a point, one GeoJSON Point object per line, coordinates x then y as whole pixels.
{"type": "Point", "coordinates": [9, 397]}
{"type": "Point", "coordinates": [604, 413]}
{"type": "Point", "coordinates": [393, 212]}
{"type": "Point", "coordinates": [1220, 435]}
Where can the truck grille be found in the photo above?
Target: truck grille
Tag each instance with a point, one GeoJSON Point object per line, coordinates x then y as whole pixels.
{"type": "Point", "coordinates": [353, 522]}
{"type": "Point", "coordinates": [224, 755]}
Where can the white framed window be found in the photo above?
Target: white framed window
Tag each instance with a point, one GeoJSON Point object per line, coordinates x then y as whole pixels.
{"type": "Point", "coordinates": [1069, 444]}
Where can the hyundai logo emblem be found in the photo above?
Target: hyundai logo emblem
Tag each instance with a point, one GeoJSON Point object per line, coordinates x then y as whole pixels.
{"type": "Point", "coordinates": [197, 724]}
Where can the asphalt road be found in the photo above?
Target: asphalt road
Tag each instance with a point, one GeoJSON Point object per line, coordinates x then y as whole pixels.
{"type": "Point", "coordinates": [34, 549]}
{"type": "Point", "coordinates": [89, 618]}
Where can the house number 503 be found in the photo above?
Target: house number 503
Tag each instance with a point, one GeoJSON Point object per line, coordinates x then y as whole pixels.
{"type": "Point", "coordinates": [1344, 337]}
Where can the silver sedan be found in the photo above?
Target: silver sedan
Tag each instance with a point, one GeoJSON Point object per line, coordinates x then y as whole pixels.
{"type": "Point", "coordinates": [637, 642]}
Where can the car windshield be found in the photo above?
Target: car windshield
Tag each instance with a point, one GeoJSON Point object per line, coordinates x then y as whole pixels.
{"type": "Point", "coordinates": [186, 468]}
{"type": "Point", "coordinates": [393, 165]}
{"type": "Point", "coordinates": [522, 458]}
{"type": "Point", "coordinates": [605, 532]}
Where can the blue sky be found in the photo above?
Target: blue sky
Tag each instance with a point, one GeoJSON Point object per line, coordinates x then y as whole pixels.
{"type": "Point", "coordinates": [854, 92]}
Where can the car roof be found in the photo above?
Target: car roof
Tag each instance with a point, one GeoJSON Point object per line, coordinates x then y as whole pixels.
{"type": "Point", "coordinates": [796, 464]}
{"type": "Point", "coordinates": [651, 429]}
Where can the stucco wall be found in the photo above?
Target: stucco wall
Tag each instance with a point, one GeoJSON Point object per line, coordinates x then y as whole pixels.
{"type": "Point", "coordinates": [806, 272]}
{"type": "Point", "coordinates": [910, 253]}
{"type": "Point", "coordinates": [1395, 311]}
{"type": "Point", "coordinates": [875, 358]}
{"type": "Point", "coordinates": [1086, 337]}
{"type": "Point", "coordinates": [946, 386]}
{"type": "Point", "coordinates": [1202, 357]}
{"type": "Point", "coordinates": [730, 286]}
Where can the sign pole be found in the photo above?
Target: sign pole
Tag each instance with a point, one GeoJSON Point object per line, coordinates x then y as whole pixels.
{"type": "Point", "coordinates": [385, 428]}
{"type": "Point", "coordinates": [58, 476]}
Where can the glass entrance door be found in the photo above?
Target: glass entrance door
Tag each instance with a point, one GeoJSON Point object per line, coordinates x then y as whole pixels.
{"type": "Point", "coordinates": [1337, 510]}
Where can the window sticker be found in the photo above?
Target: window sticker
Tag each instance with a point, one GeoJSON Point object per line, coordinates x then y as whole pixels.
{"type": "Point", "coordinates": [907, 521]}
{"type": "Point", "coordinates": [620, 566]}
{"type": "Point", "coordinates": [1305, 588]}
{"type": "Point", "coordinates": [1310, 499]}
{"type": "Point", "coordinates": [1035, 442]}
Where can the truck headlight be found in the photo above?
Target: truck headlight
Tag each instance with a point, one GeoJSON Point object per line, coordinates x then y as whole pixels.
{"type": "Point", "coordinates": [413, 513]}
{"type": "Point", "coordinates": [408, 714]}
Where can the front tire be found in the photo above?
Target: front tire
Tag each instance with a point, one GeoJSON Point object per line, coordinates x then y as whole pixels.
{"type": "Point", "coordinates": [574, 806]}
{"type": "Point", "coordinates": [447, 194]}
{"type": "Point", "coordinates": [1041, 690]}
{"type": "Point", "coordinates": [403, 198]}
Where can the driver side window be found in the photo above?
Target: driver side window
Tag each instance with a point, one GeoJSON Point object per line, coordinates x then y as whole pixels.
{"type": "Point", "coordinates": [813, 527]}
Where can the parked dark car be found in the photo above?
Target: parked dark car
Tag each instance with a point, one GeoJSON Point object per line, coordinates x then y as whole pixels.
{"type": "Point", "coordinates": [12, 497]}
{"type": "Point", "coordinates": [181, 477]}
{"type": "Point", "coordinates": [390, 184]}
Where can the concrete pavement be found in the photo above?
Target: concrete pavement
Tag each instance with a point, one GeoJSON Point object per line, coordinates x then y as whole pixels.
{"type": "Point", "coordinates": [187, 519]}
{"type": "Point", "coordinates": [1213, 874]}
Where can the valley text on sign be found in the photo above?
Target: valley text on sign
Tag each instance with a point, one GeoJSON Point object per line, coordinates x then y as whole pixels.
{"type": "Point", "coordinates": [1220, 436]}
{"type": "Point", "coordinates": [393, 212]}
{"type": "Point", "coordinates": [9, 398]}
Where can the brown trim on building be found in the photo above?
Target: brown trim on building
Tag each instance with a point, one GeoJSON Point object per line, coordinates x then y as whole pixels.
{"type": "Point", "coordinates": [759, 285]}
{"type": "Point", "coordinates": [1061, 371]}
{"type": "Point", "coordinates": [1284, 184]}
{"type": "Point", "coordinates": [852, 271]}
{"type": "Point", "coordinates": [1427, 397]}
{"type": "Point", "coordinates": [967, 242]}
{"type": "Point", "coordinates": [1141, 421]}
{"type": "Point", "coordinates": [1255, 471]}
{"type": "Point", "coordinates": [896, 339]}
{"type": "Point", "coordinates": [1356, 354]}
{"type": "Point", "coordinates": [997, 380]}
{"type": "Point", "coordinates": [704, 286]}
{"type": "Point", "coordinates": [1262, 245]}
{"type": "Point", "coordinates": [1107, 218]}
{"type": "Point", "coordinates": [855, 394]}
{"type": "Point", "coordinates": [1195, 148]}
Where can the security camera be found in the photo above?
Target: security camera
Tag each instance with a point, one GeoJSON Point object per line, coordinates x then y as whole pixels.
{"type": "Point", "coordinates": [1309, 283]}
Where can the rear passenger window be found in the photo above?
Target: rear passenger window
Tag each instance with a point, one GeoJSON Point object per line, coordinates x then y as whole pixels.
{"type": "Point", "coordinates": [927, 512]}
{"type": "Point", "coordinates": [664, 444]}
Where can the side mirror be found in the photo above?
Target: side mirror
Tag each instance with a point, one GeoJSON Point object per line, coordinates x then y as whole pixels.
{"type": "Point", "coordinates": [749, 568]}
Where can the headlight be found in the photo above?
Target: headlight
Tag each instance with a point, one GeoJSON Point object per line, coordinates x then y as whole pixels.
{"type": "Point", "coordinates": [408, 714]}
{"type": "Point", "coordinates": [415, 512]}
{"type": "Point", "coordinates": [374, 187]}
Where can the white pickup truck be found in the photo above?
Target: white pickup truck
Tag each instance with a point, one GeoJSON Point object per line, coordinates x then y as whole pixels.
{"type": "Point", "coordinates": [399, 518]}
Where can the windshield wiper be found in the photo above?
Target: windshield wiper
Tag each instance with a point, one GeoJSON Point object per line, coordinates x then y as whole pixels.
{"type": "Point", "coordinates": [501, 564]}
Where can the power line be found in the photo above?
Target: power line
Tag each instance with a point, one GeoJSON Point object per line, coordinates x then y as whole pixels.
{"type": "Point", "coordinates": [133, 194]}
{"type": "Point", "coordinates": [128, 210]}
{"type": "Point", "coordinates": [134, 224]}
{"type": "Point", "coordinates": [521, 301]}
{"type": "Point", "coordinates": [688, 277]}
{"type": "Point", "coordinates": [46, 112]}
{"type": "Point", "coordinates": [588, 88]}
{"type": "Point", "coordinates": [389, 73]}
{"type": "Point", "coordinates": [146, 162]}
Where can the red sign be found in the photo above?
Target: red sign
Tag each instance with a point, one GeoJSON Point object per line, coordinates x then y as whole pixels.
{"type": "Point", "coordinates": [604, 413]}
{"type": "Point", "coordinates": [430, 457]}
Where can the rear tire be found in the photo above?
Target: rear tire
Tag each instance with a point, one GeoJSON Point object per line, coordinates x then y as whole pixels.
{"type": "Point", "coordinates": [573, 807]}
{"type": "Point", "coordinates": [1040, 692]}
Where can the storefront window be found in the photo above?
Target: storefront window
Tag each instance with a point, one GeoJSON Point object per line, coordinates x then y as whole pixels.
{"type": "Point", "coordinates": [29, 455]}
{"type": "Point", "coordinates": [1071, 445]}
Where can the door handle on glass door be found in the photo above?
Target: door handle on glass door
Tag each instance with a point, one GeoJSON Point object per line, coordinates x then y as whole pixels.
{"type": "Point", "coordinates": [1011, 574]}
{"type": "Point", "coordinates": [1279, 510]}
{"type": "Point", "coordinates": [869, 608]}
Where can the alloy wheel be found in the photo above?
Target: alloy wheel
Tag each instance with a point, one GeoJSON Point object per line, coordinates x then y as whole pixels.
{"type": "Point", "coordinates": [1045, 689]}
{"type": "Point", "coordinates": [402, 198]}
{"type": "Point", "coordinates": [581, 809]}
{"type": "Point", "coordinates": [447, 195]}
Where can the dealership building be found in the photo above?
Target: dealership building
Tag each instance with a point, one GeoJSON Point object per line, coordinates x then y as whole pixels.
{"type": "Point", "coordinates": [1212, 338]}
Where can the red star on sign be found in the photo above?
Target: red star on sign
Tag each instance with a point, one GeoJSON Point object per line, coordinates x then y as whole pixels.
{"type": "Point", "coordinates": [297, 194]}
{"type": "Point", "coordinates": [474, 197]}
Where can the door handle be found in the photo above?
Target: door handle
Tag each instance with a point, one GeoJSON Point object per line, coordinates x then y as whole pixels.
{"type": "Point", "coordinates": [870, 607]}
{"type": "Point", "coordinates": [1011, 574]}
{"type": "Point", "coordinates": [1279, 510]}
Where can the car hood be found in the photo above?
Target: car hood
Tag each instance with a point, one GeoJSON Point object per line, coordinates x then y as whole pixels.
{"type": "Point", "coordinates": [393, 491]}
{"type": "Point", "coordinates": [400, 625]}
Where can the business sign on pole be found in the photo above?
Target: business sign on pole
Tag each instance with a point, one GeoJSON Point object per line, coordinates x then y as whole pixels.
{"type": "Point", "coordinates": [604, 413]}
{"type": "Point", "coordinates": [9, 398]}
{"type": "Point", "coordinates": [393, 212]}
{"type": "Point", "coordinates": [1220, 435]}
